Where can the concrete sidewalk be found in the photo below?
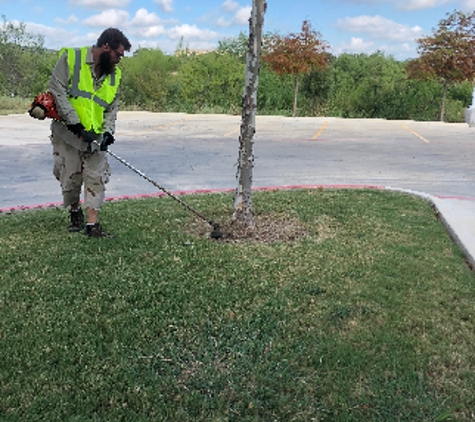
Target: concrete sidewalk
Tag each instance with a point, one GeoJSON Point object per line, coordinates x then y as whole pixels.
{"type": "Point", "coordinates": [458, 216]}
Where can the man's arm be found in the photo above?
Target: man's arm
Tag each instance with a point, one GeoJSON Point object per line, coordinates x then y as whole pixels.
{"type": "Point", "coordinates": [58, 86]}
{"type": "Point", "coordinates": [110, 114]}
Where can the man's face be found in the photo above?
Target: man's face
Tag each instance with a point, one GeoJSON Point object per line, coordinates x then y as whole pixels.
{"type": "Point", "coordinates": [109, 58]}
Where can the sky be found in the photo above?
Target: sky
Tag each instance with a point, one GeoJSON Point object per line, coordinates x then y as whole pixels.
{"type": "Point", "coordinates": [348, 26]}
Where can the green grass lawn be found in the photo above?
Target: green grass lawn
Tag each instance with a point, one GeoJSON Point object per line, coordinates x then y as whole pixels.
{"type": "Point", "coordinates": [368, 317]}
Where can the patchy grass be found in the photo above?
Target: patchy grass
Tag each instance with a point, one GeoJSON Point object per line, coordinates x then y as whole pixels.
{"type": "Point", "coordinates": [366, 315]}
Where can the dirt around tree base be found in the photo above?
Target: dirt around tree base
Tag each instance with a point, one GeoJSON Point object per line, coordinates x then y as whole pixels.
{"type": "Point", "coordinates": [266, 229]}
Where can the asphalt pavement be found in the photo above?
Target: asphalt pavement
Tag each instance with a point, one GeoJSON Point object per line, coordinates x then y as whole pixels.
{"type": "Point", "coordinates": [183, 153]}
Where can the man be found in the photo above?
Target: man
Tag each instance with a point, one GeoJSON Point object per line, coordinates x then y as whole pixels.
{"type": "Point", "coordinates": [85, 86]}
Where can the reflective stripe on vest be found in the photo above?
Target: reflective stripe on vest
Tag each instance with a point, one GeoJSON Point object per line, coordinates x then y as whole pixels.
{"type": "Point", "coordinates": [88, 103]}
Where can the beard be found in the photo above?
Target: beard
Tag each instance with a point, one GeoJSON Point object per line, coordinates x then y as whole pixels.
{"type": "Point", "coordinates": [107, 67]}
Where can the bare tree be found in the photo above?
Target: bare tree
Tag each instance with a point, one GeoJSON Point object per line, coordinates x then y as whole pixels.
{"type": "Point", "coordinates": [243, 195]}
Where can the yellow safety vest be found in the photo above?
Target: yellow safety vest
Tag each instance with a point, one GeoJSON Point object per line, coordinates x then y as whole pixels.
{"type": "Point", "coordinates": [88, 103]}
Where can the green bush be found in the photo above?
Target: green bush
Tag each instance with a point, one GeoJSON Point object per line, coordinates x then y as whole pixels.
{"type": "Point", "coordinates": [147, 78]}
{"type": "Point", "coordinates": [13, 105]}
{"type": "Point", "coordinates": [276, 93]}
{"type": "Point", "coordinates": [211, 80]}
{"type": "Point", "coordinates": [352, 85]}
{"type": "Point", "coordinates": [25, 64]}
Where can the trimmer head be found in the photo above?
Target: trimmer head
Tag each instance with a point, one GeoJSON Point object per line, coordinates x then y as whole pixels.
{"type": "Point", "coordinates": [216, 232]}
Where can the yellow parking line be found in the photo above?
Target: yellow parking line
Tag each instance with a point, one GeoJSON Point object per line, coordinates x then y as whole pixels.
{"type": "Point", "coordinates": [415, 133]}
{"type": "Point", "coordinates": [232, 132]}
{"type": "Point", "coordinates": [321, 130]}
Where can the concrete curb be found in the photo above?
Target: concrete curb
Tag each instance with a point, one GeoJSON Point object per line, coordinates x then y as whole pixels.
{"type": "Point", "coordinates": [450, 218]}
{"type": "Point", "coordinates": [192, 192]}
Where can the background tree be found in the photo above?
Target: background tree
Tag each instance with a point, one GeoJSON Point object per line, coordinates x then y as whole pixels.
{"type": "Point", "coordinates": [315, 88]}
{"type": "Point", "coordinates": [350, 85]}
{"type": "Point", "coordinates": [448, 54]}
{"type": "Point", "coordinates": [276, 93]}
{"type": "Point", "coordinates": [235, 46]}
{"type": "Point", "coordinates": [24, 62]}
{"type": "Point", "coordinates": [366, 86]}
{"type": "Point", "coordinates": [296, 54]}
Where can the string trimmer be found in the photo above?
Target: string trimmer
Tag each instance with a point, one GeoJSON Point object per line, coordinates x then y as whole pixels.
{"type": "Point", "coordinates": [215, 233]}
{"type": "Point", "coordinates": [43, 106]}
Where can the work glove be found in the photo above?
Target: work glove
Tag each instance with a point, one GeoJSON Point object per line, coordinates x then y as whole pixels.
{"type": "Point", "coordinates": [107, 139]}
{"type": "Point", "coordinates": [80, 131]}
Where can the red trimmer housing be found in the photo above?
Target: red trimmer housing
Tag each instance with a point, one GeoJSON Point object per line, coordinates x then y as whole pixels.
{"type": "Point", "coordinates": [43, 106]}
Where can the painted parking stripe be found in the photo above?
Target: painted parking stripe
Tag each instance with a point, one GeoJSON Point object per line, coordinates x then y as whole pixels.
{"type": "Point", "coordinates": [321, 130]}
{"type": "Point", "coordinates": [232, 132]}
{"type": "Point", "coordinates": [415, 133]}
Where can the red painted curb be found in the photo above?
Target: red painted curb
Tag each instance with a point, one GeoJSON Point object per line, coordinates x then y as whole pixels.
{"type": "Point", "coordinates": [195, 191]}
{"type": "Point", "coordinates": [460, 198]}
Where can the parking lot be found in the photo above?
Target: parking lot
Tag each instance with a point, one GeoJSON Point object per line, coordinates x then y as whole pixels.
{"type": "Point", "coordinates": [188, 152]}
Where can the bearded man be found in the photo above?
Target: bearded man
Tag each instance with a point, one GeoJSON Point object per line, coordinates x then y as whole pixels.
{"type": "Point", "coordinates": [85, 85]}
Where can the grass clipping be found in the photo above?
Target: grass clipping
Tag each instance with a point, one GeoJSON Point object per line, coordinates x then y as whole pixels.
{"type": "Point", "coordinates": [267, 228]}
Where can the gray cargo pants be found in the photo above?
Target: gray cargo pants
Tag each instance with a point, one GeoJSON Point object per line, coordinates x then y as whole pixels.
{"type": "Point", "coordinates": [73, 168]}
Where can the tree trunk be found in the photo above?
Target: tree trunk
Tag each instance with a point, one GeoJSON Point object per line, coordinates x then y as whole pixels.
{"type": "Point", "coordinates": [444, 96]}
{"type": "Point", "coordinates": [243, 195]}
{"type": "Point", "coordinates": [296, 93]}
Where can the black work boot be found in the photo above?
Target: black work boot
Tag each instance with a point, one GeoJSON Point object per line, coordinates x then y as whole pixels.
{"type": "Point", "coordinates": [95, 230]}
{"type": "Point", "coordinates": [77, 220]}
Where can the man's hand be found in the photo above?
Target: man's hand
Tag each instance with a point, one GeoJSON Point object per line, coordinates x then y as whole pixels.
{"type": "Point", "coordinates": [107, 139]}
{"type": "Point", "coordinates": [80, 131]}
{"type": "Point", "coordinates": [76, 129]}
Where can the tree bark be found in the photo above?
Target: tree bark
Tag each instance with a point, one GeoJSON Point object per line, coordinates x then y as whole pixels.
{"type": "Point", "coordinates": [243, 194]}
{"type": "Point", "coordinates": [444, 96]}
{"type": "Point", "coordinates": [296, 93]}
